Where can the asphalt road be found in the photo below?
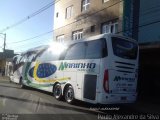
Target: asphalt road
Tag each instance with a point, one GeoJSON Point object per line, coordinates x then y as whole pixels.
{"type": "Point", "coordinates": [29, 103]}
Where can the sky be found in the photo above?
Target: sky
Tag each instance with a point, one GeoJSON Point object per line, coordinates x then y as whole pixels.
{"type": "Point", "coordinates": [12, 11]}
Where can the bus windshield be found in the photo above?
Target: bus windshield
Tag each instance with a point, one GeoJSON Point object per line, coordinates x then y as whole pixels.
{"type": "Point", "coordinates": [124, 49]}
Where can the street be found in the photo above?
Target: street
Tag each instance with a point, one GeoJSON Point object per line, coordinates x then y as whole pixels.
{"type": "Point", "coordinates": [29, 103]}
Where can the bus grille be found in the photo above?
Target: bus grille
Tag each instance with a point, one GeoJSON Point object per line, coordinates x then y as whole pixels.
{"type": "Point", "coordinates": [125, 67]}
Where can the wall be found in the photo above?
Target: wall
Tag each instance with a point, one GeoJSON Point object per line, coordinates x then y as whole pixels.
{"type": "Point", "coordinates": [98, 13]}
{"type": "Point", "coordinates": [149, 21]}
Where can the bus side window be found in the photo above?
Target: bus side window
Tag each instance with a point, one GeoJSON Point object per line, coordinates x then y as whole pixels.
{"type": "Point", "coordinates": [76, 51]}
{"type": "Point", "coordinates": [48, 55]}
{"type": "Point", "coordinates": [19, 60]}
{"type": "Point", "coordinates": [62, 56]}
{"type": "Point", "coordinates": [96, 49]}
{"type": "Point", "coordinates": [30, 56]}
{"type": "Point", "coordinates": [23, 58]}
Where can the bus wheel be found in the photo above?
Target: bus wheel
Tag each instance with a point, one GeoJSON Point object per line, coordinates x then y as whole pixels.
{"type": "Point", "coordinates": [69, 95]}
{"type": "Point", "coordinates": [57, 91]}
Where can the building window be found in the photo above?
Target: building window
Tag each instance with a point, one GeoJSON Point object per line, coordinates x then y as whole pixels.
{"type": "Point", "coordinates": [93, 28]}
{"type": "Point", "coordinates": [76, 35]}
{"type": "Point", "coordinates": [104, 1]}
{"type": "Point", "coordinates": [85, 5]}
{"type": "Point", "coordinates": [60, 38]}
{"type": "Point", "coordinates": [71, 53]}
{"type": "Point", "coordinates": [69, 11]}
{"type": "Point", "coordinates": [111, 27]}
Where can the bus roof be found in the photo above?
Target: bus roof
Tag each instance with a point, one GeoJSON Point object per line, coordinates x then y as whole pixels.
{"type": "Point", "coordinates": [36, 49]}
{"type": "Point", "coordinates": [101, 36]}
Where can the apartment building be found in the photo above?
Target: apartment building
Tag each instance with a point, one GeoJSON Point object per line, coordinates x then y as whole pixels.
{"type": "Point", "coordinates": [76, 19]}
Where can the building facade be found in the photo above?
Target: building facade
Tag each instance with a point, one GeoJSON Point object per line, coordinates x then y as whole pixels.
{"type": "Point", "coordinates": [149, 21]}
{"type": "Point", "coordinates": [149, 41]}
{"type": "Point", "coordinates": [76, 19]}
{"type": "Point", "coordinates": [5, 58]}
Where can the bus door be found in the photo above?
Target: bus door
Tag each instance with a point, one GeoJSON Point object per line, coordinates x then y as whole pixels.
{"type": "Point", "coordinates": [90, 76]}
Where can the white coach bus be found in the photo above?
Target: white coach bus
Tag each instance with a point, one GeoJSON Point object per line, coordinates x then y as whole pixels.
{"type": "Point", "coordinates": [101, 69]}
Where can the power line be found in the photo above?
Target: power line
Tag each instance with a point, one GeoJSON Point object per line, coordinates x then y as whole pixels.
{"type": "Point", "coordinates": [43, 9]}
{"type": "Point", "coordinates": [148, 10]}
{"type": "Point", "coordinates": [90, 15]}
{"type": "Point", "coordinates": [37, 36]}
{"type": "Point", "coordinates": [67, 24]}
{"type": "Point", "coordinates": [35, 43]}
{"type": "Point", "coordinates": [30, 16]}
{"type": "Point", "coordinates": [28, 45]}
{"type": "Point", "coordinates": [139, 26]}
{"type": "Point", "coordinates": [135, 27]}
{"type": "Point", "coordinates": [70, 24]}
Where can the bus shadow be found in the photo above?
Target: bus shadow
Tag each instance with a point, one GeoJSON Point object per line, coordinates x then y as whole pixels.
{"type": "Point", "coordinates": [112, 109]}
{"type": "Point", "coordinates": [85, 107]}
{"type": "Point", "coordinates": [8, 86]}
{"type": "Point", "coordinates": [50, 104]}
{"type": "Point", "coordinates": [95, 108]}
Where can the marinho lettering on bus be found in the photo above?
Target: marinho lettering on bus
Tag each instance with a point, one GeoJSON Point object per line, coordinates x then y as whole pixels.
{"type": "Point", "coordinates": [65, 65]}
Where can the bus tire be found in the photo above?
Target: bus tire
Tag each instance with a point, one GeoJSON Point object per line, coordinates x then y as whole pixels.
{"type": "Point", "coordinates": [57, 91]}
{"type": "Point", "coordinates": [69, 95]}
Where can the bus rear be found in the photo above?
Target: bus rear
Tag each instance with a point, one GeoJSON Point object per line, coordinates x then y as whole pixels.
{"type": "Point", "coordinates": [120, 71]}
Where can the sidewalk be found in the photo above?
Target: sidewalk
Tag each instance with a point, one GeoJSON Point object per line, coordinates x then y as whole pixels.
{"type": "Point", "coordinates": [4, 78]}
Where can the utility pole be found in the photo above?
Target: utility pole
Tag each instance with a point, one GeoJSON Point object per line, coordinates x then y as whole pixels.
{"type": "Point", "coordinates": [4, 43]}
{"type": "Point", "coordinates": [4, 56]}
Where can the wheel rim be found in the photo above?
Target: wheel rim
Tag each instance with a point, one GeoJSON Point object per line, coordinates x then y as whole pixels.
{"type": "Point", "coordinates": [57, 91]}
{"type": "Point", "coordinates": [69, 95]}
